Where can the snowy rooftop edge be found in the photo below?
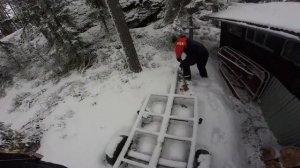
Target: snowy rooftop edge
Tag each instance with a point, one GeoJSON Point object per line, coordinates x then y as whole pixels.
{"type": "Point", "coordinates": [279, 15]}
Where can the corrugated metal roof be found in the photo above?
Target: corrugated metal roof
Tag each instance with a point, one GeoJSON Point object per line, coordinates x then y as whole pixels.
{"type": "Point", "coordinates": [274, 98]}
{"type": "Point", "coordinates": [282, 113]}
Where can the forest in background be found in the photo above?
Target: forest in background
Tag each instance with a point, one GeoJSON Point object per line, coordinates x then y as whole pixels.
{"type": "Point", "coordinates": [55, 36]}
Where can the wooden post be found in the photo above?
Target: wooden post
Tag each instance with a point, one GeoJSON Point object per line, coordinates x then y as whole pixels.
{"type": "Point", "coordinates": [191, 27]}
{"type": "Point", "coordinates": [191, 33]}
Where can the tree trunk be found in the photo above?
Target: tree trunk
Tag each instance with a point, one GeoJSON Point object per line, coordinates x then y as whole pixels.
{"type": "Point", "coordinates": [124, 34]}
{"type": "Point", "coordinates": [12, 8]}
{"type": "Point", "coordinates": [173, 8]}
{"type": "Point", "coordinates": [4, 13]}
{"type": "Point", "coordinates": [6, 48]}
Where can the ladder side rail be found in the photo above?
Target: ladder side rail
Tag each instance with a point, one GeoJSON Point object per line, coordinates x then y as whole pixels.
{"type": "Point", "coordinates": [230, 83]}
{"type": "Point", "coordinates": [194, 136]}
{"type": "Point", "coordinates": [250, 61]}
{"type": "Point", "coordinates": [132, 133]}
{"type": "Point", "coordinates": [223, 56]}
{"type": "Point", "coordinates": [160, 139]}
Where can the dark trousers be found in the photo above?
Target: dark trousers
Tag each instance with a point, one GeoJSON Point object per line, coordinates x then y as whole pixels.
{"type": "Point", "coordinates": [201, 63]}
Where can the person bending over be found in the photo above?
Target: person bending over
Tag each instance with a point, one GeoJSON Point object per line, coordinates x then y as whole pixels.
{"type": "Point", "coordinates": [195, 52]}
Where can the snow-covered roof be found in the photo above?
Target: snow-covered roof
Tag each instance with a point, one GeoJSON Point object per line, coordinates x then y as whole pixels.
{"type": "Point", "coordinates": [278, 15]}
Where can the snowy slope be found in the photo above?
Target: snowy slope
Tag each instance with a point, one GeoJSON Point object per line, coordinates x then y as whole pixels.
{"type": "Point", "coordinates": [281, 15]}
{"type": "Point", "coordinates": [77, 116]}
{"type": "Point", "coordinates": [85, 117]}
{"type": "Point", "coordinates": [82, 129]}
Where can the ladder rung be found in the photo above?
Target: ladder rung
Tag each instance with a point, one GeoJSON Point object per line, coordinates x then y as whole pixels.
{"type": "Point", "coordinates": [181, 118]}
{"type": "Point", "coordinates": [161, 161]}
{"type": "Point", "coordinates": [152, 114]}
{"type": "Point", "coordinates": [135, 163]}
{"type": "Point", "coordinates": [178, 137]}
{"type": "Point", "coordinates": [146, 131]}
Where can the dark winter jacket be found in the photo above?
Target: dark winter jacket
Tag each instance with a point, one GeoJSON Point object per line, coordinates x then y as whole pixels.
{"type": "Point", "coordinates": [194, 50]}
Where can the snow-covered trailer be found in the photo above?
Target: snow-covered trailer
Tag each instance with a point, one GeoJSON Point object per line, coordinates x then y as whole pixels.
{"type": "Point", "coordinates": [269, 35]}
{"type": "Point", "coordinates": [163, 135]}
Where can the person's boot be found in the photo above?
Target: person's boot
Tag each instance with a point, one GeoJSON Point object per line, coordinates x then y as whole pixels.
{"type": "Point", "coordinates": [203, 73]}
{"type": "Point", "coordinates": [204, 76]}
{"type": "Point", "coordinates": [188, 77]}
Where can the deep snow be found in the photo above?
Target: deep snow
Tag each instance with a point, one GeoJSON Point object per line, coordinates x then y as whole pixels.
{"type": "Point", "coordinates": [78, 115]}
{"type": "Point", "coordinates": [281, 15]}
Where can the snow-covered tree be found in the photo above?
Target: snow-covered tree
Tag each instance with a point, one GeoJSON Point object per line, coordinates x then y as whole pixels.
{"type": "Point", "coordinates": [174, 7]}
{"type": "Point", "coordinates": [100, 5]}
{"type": "Point", "coordinates": [7, 24]}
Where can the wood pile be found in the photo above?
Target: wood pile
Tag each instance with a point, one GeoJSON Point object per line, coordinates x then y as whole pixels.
{"type": "Point", "coordinates": [288, 157]}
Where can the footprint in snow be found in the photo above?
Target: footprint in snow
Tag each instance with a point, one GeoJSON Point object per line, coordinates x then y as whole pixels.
{"type": "Point", "coordinates": [204, 82]}
{"type": "Point", "coordinates": [216, 136]}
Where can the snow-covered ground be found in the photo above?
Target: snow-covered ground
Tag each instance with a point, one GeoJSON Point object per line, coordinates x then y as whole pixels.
{"type": "Point", "coordinates": [220, 131]}
{"type": "Point", "coordinates": [78, 115]}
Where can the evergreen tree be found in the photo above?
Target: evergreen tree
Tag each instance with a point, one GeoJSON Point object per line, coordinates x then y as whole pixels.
{"type": "Point", "coordinates": [174, 7]}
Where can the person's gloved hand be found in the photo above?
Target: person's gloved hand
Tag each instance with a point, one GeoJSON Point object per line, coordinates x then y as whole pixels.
{"type": "Point", "coordinates": [180, 65]}
{"type": "Point", "coordinates": [179, 60]}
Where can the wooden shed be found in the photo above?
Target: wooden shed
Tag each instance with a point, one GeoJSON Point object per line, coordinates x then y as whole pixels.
{"type": "Point", "coordinates": [260, 53]}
